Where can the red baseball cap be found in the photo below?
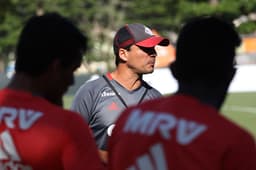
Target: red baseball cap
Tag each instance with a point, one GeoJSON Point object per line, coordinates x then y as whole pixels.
{"type": "Point", "coordinates": [138, 34]}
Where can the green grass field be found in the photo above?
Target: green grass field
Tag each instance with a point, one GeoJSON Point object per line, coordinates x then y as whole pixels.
{"type": "Point", "coordinates": [241, 108]}
{"type": "Point", "coordinates": [238, 107]}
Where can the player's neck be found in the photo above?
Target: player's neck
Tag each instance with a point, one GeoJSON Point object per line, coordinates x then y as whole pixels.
{"type": "Point", "coordinates": [127, 79]}
{"type": "Point", "coordinates": [34, 85]}
{"type": "Point", "coordinates": [213, 96]}
{"type": "Point", "coordinates": [23, 82]}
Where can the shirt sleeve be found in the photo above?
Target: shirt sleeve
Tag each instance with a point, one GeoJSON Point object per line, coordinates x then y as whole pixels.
{"type": "Point", "coordinates": [83, 102]}
{"type": "Point", "coordinates": [80, 151]}
{"type": "Point", "coordinates": [242, 154]}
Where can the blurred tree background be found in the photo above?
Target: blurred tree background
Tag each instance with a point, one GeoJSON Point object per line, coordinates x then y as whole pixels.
{"type": "Point", "coordinates": [99, 19]}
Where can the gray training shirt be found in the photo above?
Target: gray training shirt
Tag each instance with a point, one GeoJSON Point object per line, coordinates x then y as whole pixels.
{"type": "Point", "coordinates": [100, 106]}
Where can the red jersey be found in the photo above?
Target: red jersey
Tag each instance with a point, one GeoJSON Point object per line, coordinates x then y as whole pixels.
{"type": "Point", "coordinates": [179, 133]}
{"type": "Point", "coordinates": [37, 135]}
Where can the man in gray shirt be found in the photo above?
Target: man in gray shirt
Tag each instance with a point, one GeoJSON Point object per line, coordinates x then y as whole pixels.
{"type": "Point", "coordinates": [102, 100]}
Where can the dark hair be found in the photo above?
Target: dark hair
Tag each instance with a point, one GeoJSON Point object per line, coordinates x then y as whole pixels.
{"type": "Point", "coordinates": [205, 50]}
{"type": "Point", "coordinates": [45, 38]}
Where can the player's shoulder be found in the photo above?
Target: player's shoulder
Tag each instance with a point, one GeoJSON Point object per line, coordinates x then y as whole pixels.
{"type": "Point", "coordinates": [89, 90]}
{"type": "Point", "coordinates": [235, 130]}
{"type": "Point", "coordinates": [92, 85]}
{"type": "Point", "coordinates": [153, 104]}
{"type": "Point", "coordinates": [64, 111]}
{"type": "Point", "coordinates": [146, 85]}
{"type": "Point", "coordinates": [151, 89]}
{"type": "Point", "coordinates": [66, 115]}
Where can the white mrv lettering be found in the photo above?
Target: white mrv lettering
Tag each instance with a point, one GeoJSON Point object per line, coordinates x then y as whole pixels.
{"type": "Point", "coordinates": [149, 122]}
{"type": "Point", "coordinates": [26, 118]}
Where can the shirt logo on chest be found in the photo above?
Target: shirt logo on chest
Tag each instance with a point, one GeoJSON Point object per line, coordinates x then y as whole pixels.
{"type": "Point", "coordinates": [113, 106]}
{"type": "Point", "coordinates": [107, 94]}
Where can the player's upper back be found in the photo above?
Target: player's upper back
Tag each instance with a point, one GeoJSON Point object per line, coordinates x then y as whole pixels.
{"type": "Point", "coordinates": [36, 135]}
{"type": "Point", "coordinates": [179, 132]}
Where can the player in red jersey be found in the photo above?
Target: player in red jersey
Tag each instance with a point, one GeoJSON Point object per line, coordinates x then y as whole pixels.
{"type": "Point", "coordinates": [186, 131]}
{"type": "Point", "coordinates": [35, 132]}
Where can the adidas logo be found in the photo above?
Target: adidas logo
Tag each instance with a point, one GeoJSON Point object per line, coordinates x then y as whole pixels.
{"type": "Point", "coordinates": [113, 106]}
{"type": "Point", "coordinates": [9, 156]}
{"type": "Point", "coordinates": [154, 160]}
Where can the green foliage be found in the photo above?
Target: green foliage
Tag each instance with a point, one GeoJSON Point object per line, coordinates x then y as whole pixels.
{"type": "Point", "coordinates": [101, 18]}
{"type": "Point", "coordinates": [166, 15]}
{"type": "Point", "coordinates": [247, 27]}
{"type": "Point", "coordinates": [13, 16]}
{"type": "Point", "coordinates": [158, 14]}
{"type": "Point", "coordinates": [240, 108]}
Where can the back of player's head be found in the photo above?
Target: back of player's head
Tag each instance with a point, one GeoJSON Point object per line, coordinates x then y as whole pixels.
{"type": "Point", "coordinates": [205, 51]}
{"type": "Point", "coordinates": [45, 38]}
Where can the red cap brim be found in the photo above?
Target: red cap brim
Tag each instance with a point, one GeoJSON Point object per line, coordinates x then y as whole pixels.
{"type": "Point", "coordinates": [153, 41]}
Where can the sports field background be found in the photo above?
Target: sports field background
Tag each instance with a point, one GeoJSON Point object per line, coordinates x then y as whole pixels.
{"type": "Point", "coordinates": [238, 107]}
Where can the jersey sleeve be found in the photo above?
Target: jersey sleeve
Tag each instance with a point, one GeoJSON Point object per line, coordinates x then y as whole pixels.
{"type": "Point", "coordinates": [80, 152]}
{"type": "Point", "coordinates": [242, 154]}
{"type": "Point", "coordinates": [83, 102]}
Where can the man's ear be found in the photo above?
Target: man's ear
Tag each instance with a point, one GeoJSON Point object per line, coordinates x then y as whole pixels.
{"type": "Point", "coordinates": [123, 54]}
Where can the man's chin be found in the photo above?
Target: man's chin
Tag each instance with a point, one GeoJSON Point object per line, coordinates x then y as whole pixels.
{"type": "Point", "coordinates": [149, 72]}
